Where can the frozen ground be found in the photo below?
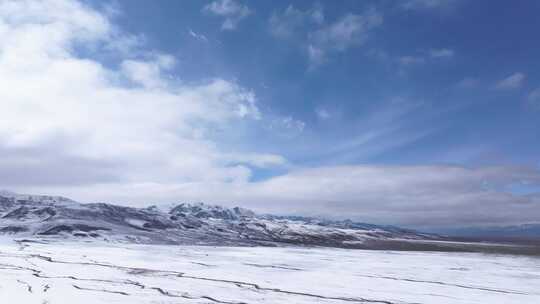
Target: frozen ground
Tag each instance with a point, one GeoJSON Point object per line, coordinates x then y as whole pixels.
{"type": "Point", "coordinates": [79, 272]}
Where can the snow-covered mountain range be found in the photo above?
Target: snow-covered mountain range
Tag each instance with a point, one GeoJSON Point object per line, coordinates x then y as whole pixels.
{"type": "Point", "coordinates": [51, 217]}
{"type": "Point", "coordinates": [58, 218]}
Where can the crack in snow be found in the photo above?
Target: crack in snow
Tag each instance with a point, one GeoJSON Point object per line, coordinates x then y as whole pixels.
{"type": "Point", "coordinates": [272, 266]}
{"type": "Point", "coordinates": [142, 271]}
{"type": "Point", "coordinates": [445, 284]}
{"type": "Point", "coordinates": [28, 286]}
{"type": "Point", "coordinates": [101, 290]}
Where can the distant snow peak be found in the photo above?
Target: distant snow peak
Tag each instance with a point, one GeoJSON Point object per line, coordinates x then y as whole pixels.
{"type": "Point", "coordinates": [50, 199]}
{"type": "Point", "coordinates": [7, 193]}
{"type": "Point", "coordinates": [202, 210]}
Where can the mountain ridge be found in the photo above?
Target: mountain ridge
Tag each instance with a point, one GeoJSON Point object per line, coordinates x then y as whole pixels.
{"type": "Point", "coordinates": [55, 218]}
{"type": "Point", "coordinates": [186, 223]}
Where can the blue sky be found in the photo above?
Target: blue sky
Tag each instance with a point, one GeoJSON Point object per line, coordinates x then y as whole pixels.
{"type": "Point", "coordinates": [440, 109]}
{"type": "Point", "coordinates": [419, 113]}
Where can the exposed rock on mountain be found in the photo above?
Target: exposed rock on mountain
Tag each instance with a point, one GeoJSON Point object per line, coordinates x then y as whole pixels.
{"type": "Point", "coordinates": [57, 217]}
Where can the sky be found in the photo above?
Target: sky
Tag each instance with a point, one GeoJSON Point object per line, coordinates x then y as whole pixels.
{"type": "Point", "coordinates": [417, 113]}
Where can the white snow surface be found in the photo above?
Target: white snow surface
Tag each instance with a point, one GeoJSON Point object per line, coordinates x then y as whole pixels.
{"type": "Point", "coordinates": [94, 272]}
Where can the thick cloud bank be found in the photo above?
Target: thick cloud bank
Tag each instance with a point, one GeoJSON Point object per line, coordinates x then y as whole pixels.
{"type": "Point", "coordinates": [69, 119]}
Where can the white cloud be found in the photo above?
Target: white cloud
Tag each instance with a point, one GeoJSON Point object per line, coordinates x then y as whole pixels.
{"type": "Point", "coordinates": [411, 60]}
{"type": "Point", "coordinates": [320, 38]}
{"type": "Point", "coordinates": [292, 20]}
{"type": "Point", "coordinates": [441, 53]}
{"type": "Point", "coordinates": [511, 82]}
{"type": "Point", "coordinates": [323, 113]}
{"type": "Point", "coordinates": [291, 123]}
{"type": "Point", "coordinates": [349, 30]}
{"type": "Point", "coordinates": [258, 160]}
{"type": "Point", "coordinates": [426, 56]}
{"type": "Point", "coordinates": [149, 72]}
{"type": "Point", "coordinates": [430, 195]}
{"type": "Point", "coordinates": [427, 4]}
{"type": "Point", "coordinates": [316, 55]}
{"type": "Point", "coordinates": [410, 195]}
{"type": "Point", "coordinates": [287, 126]}
{"type": "Point", "coordinates": [71, 119]}
{"type": "Point", "coordinates": [232, 10]}
{"type": "Point", "coordinates": [197, 36]}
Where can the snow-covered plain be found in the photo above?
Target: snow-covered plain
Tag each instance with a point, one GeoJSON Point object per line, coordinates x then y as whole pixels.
{"type": "Point", "coordinates": [77, 272]}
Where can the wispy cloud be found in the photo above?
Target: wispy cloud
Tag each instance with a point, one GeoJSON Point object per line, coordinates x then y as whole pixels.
{"type": "Point", "coordinates": [197, 36]}
{"type": "Point", "coordinates": [323, 113]}
{"type": "Point", "coordinates": [423, 57]}
{"type": "Point", "coordinates": [287, 126]}
{"type": "Point", "coordinates": [378, 130]}
{"type": "Point", "coordinates": [511, 82]}
{"type": "Point", "coordinates": [319, 37]}
{"type": "Point", "coordinates": [441, 53]}
{"type": "Point", "coordinates": [232, 10]}
{"type": "Point", "coordinates": [411, 60]}
{"type": "Point", "coordinates": [348, 31]}
{"type": "Point", "coordinates": [290, 22]}
{"type": "Point", "coordinates": [316, 56]}
{"type": "Point", "coordinates": [427, 4]}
